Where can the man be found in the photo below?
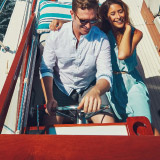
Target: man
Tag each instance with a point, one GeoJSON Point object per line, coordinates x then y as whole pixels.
{"type": "Point", "coordinates": [76, 65]}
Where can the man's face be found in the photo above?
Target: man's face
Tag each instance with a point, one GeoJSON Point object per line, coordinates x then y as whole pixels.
{"type": "Point", "coordinates": [83, 20]}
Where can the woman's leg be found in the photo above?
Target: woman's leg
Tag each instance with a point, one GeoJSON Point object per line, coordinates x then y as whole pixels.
{"type": "Point", "coordinates": [102, 118]}
{"type": "Point", "coordinates": [138, 102]}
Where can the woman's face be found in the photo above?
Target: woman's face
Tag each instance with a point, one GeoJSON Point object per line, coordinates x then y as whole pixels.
{"type": "Point", "coordinates": [116, 16]}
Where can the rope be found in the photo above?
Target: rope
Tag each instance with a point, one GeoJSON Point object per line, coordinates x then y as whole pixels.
{"type": "Point", "coordinates": [22, 108]}
{"type": "Point", "coordinates": [25, 89]}
{"type": "Point", "coordinates": [9, 129]}
{"type": "Point", "coordinates": [5, 48]}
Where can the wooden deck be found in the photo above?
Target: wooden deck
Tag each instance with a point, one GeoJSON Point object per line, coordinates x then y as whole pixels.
{"type": "Point", "coordinates": [153, 82]}
{"type": "Point", "coordinates": [149, 18]}
{"type": "Point", "coordinates": [147, 54]}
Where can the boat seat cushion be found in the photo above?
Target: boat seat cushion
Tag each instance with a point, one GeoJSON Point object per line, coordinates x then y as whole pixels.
{"type": "Point", "coordinates": [50, 10]}
{"type": "Point", "coordinates": [62, 1]}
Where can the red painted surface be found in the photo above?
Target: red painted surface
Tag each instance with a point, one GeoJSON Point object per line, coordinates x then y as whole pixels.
{"type": "Point", "coordinates": [139, 126]}
{"type": "Point", "coordinates": [135, 126]}
{"type": "Point", "coordinates": [9, 85]}
{"type": "Point", "coordinates": [34, 5]}
{"type": "Point", "coordinates": [79, 147]}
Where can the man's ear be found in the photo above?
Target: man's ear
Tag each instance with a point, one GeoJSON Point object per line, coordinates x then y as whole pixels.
{"type": "Point", "coordinates": [72, 14]}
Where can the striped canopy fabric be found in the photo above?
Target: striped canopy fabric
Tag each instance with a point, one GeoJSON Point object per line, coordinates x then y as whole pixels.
{"type": "Point", "coordinates": [52, 10]}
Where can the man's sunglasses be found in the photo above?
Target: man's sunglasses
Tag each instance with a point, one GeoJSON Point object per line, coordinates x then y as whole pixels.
{"type": "Point", "coordinates": [82, 21]}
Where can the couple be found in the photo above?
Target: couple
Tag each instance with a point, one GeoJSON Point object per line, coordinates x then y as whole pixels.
{"type": "Point", "coordinates": [79, 67]}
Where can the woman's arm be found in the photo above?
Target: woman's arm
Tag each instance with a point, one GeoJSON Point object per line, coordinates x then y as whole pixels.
{"type": "Point", "coordinates": [128, 42]}
{"type": "Point", "coordinates": [56, 24]}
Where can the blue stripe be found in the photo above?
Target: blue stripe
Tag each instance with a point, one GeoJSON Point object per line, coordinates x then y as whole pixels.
{"type": "Point", "coordinates": [56, 5]}
{"type": "Point", "coordinates": [55, 15]}
{"type": "Point", "coordinates": [46, 18]}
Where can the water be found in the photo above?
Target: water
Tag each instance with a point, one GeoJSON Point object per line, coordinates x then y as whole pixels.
{"type": "Point", "coordinates": [5, 16]}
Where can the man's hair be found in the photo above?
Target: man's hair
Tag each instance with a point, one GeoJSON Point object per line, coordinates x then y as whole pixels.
{"type": "Point", "coordinates": [85, 4]}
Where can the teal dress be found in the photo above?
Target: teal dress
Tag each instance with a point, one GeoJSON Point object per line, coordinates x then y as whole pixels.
{"type": "Point", "coordinates": [129, 96]}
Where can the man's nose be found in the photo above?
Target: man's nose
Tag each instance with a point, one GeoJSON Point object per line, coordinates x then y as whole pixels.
{"type": "Point", "coordinates": [88, 25]}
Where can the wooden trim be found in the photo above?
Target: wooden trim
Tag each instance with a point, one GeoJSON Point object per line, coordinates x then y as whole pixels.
{"type": "Point", "coordinates": [135, 126]}
{"type": "Point", "coordinates": [79, 147]}
{"type": "Point", "coordinates": [149, 20]}
{"type": "Point", "coordinates": [34, 6]}
{"type": "Point", "coordinates": [90, 124]}
{"type": "Point", "coordinates": [138, 126]}
{"type": "Point", "coordinates": [9, 85]}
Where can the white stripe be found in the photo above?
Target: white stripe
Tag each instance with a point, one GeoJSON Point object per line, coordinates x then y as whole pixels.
{"type": "Point", "coordinates": [55, 10]}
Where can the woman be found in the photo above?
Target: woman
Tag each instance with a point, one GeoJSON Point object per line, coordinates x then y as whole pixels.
{"type": "Point", "coordinates": [129, 96]}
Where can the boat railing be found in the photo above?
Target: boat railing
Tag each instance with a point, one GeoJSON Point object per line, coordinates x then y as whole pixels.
{"type": "Point", "coordinates": [33, 6]}
{"type": "Point", "coordinates": [18, 62]}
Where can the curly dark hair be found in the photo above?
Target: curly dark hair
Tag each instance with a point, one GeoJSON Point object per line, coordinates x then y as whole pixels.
{"type": "Point", "coordinates": [103, 12]}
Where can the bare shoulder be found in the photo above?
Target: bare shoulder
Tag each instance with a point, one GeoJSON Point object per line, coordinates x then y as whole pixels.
{"type": "Point", "coordinates": [138, 33]}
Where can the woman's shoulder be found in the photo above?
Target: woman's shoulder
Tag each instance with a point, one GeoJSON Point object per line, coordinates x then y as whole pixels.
{"type": "Point", "coordinates": [98, 33]}
{"type": "Point", "coordinates": [97, 30]}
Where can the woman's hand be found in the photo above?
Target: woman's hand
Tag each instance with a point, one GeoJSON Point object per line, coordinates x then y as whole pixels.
{"type": "Point", "coordinates": [128, 26]}
{"type": "Point", "coordinates": [56, 24]}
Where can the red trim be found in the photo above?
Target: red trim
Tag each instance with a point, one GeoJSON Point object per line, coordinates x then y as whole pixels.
{"type": "Point", "coordinates": [9, 85]}
{"type": "Point", "coordinates": [74, 125]}
{"type": "Point", "coordinates": [134, 126]}
{"type": "Point", "coordinates": [90, 124]}
{"type": "Point", "coordinates": [41, 128]}
{"type": "Point", "coordinates": [139, 126]}
{"type": "Point", "coordinates": [79, 147]}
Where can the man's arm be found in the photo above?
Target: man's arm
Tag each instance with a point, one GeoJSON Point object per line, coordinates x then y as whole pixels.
{"type": "Point", "coordinates": [46, 69]}
{"type": "Point", "coordinates": [92, 101]}
{"type": "Point", "coordinates": [47, 83]}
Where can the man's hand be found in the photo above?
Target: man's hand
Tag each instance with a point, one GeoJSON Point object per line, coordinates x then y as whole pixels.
{"type": "Point", "coordinates": [51, 107]}
{"type": "Point", "coordinates": [91, 102]}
